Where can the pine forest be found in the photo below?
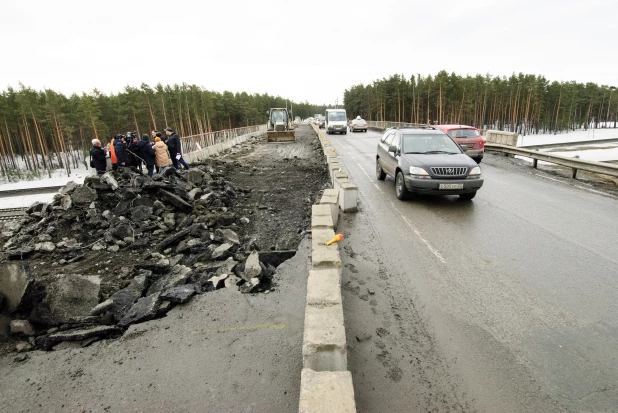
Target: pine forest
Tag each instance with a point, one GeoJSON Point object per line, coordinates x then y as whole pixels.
{"type": "Point", "coordinates": [522, 103]}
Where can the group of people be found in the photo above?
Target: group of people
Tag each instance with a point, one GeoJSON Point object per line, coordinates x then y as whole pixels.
{"type": "Point", "coordinates": [127, 151]}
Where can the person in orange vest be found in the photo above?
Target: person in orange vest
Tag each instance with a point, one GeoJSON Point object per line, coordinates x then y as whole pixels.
{"type": "Point", "coordinates": [112, 154]}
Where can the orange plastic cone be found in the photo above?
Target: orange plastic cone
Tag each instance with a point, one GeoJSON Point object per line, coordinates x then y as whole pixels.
{"type": "Point", "coordinates": [337, 238]}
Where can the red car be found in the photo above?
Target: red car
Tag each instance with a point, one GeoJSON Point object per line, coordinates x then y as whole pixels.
{"type": "Point", "coordinates": [466, 135]}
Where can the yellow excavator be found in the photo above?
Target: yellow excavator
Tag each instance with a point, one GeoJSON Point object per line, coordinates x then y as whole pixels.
{"type": "Point", "coordinates": [280, 126]}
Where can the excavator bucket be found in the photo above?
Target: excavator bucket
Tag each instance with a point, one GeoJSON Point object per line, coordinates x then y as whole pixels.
{"type": "Point", "coordinates": [283, 136]}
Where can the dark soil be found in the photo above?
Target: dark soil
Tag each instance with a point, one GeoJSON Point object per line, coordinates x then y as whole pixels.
{"type": "Point", "coordinates": [286, 179]}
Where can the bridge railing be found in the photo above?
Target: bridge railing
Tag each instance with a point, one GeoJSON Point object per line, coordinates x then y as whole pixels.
{"type": "Point", "coordinates": [203, 140]}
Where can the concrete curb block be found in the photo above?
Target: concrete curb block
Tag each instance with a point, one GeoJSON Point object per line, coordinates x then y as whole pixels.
{"type": "Point", "coordinates": [326, 385]}
{"type": "Point", "coordinates": [321, 217]}
{"type": "Point", "coordinates": [330, 197]}
{"type": "Point", "coordinates": [326, 392]}
{"type": "Point", "coordinates": [322, 255]}
{"type": "Point", "coordinates": [324, 288]}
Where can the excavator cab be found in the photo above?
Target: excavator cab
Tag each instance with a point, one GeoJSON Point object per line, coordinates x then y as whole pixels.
{"type": "Point", "coordinates": [280, 126]}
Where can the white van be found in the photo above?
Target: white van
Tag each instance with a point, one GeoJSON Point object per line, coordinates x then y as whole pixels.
{"type": "Point", "coordinates": [336, 121]}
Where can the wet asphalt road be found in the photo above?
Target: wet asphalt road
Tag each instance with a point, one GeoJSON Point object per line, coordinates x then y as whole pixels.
{"type": "Point", "coordinates": [505, 303]}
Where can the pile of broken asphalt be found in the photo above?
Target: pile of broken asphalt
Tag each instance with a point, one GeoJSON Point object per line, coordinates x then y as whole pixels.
{"type": "Point", "coordinates": [121, 249]}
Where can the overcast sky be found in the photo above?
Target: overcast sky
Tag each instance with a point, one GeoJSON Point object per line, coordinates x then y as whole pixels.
{"type": "Point", "coordinates": [310, 50]}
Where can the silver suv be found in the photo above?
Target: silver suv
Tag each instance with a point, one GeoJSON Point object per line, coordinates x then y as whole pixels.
{"type": "Point", "coordinates": [425, 160]}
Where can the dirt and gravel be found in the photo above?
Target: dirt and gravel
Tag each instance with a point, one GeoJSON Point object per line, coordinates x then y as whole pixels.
{"type": "Point", "coordinates": [286, 180]}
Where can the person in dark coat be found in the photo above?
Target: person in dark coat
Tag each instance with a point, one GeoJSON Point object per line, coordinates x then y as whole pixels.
{"type": "Point", "coordinates": [147, 154]}
{"type": "Point", "coordinates": [97, 156]}
{"type": "Point", "coordinates": [122, 155]}
{"type": "Point", "coordinates": [133, 148]}
{"type": "Point", "coordinates": [175, 148]}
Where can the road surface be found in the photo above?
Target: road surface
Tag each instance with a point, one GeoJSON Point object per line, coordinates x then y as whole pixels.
{"type": "Point", "coordinates": [506, 303]}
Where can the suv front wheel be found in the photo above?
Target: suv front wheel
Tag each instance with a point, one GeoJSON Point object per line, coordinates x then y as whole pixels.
{"type": "Point", "coordinates": [380, 174]}
{"type": "Point", "coordinates": [400, 187]}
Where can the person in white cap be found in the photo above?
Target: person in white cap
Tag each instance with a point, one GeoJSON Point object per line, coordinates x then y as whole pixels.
{"type": "Point", "coordinates": [97, 157]}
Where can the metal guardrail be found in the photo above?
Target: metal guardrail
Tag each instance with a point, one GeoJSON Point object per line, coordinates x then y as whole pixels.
{"type": "Point", "coordinates": [574, 163]}
{"type": "Point", "coordinates": [29, 191]}
{"type": "Point", "coordinates": [11, 213]}
{"type": "Point", "coordinates": [204, 140]}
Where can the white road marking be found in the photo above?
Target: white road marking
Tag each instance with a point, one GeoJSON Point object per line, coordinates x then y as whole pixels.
{"type": "Point", "coordinates": [577, 186]}
{"type": "Point", "coordinates": [595, 191]}
{"type": "Point", "coordinates": [551, 179]}
{"type": "Point", "coordinates": [408, 223]}
{"type": "Point", "coordinates": [365, 172]}
{"type": "Point", "coordinates": [418, 234]}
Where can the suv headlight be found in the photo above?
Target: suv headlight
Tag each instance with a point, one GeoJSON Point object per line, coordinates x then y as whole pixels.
{"type": "Point", "coordinates": [418, 172]}
{"type": "Point", "coordinates": [475, 172]}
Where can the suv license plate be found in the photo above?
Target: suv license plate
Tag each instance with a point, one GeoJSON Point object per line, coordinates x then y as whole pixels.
{"type": "Point", "coordinates": [450, 186]}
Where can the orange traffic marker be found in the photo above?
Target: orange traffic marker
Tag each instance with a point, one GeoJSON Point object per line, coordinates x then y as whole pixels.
{"type": "Point", "coordinates": [337, 238]}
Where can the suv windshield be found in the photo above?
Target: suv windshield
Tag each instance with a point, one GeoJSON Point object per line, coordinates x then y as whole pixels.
{"type": "Point", "coordinates": [336, 116]}
{"type": "Point", "coordinates": [463, 133]}
{"type": "Point", "coordinates": [429, 144]}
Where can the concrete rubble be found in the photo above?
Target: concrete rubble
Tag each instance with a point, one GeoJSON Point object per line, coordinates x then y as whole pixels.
{"type": "Point", "coordinates": [121, 249]}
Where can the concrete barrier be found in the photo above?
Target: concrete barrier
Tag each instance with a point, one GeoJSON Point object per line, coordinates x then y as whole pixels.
{"type": "Point", "coordinates": [326, 392]}
{"type": "Point", "coordinates": [330, 197]}
{"type": "Point", "coordinates": [322, 255]}
{"type": "Point", "coordinates": [324, 288]}
{"type": "Point", "coordinates": [348, 195]}
{"type": "Point", "coordinates": [501, 138]}
{"type": "Point", "coordinates": [326, 386]}
{"type": "Point", "coordinates": [321, 217]}
{"type": "Point", "coordinates": [324, 345]}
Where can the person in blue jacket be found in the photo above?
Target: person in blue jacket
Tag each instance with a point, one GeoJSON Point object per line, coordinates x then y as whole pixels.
{"type": "Point", "coordinates": [122, 155]}
{"type": "Point", "coordinates": [147, 153]}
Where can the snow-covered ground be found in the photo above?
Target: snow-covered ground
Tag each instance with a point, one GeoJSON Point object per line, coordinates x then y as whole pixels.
{"type": "Point", "coordinates": [600, 152]}
{"type": "Point", "coordinates": [59, 177]}
{"type": "Point", "coordinates": [571, 136]}
{"type": "Point", "coordinates": [25, 200]}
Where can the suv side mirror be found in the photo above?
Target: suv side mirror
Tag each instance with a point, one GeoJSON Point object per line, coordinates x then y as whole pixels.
{"type": "Point", "coordinates": [392, 148]}
{"type": "Point", "coordinates": [464, 148]}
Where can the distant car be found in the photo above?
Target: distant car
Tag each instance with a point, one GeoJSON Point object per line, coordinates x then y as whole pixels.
{"type": "Point", "coordinates": [425, 160]}
{"type": "Point", "coordinates": [320, 122]}
{"type": "Point", "coordinates": [358, 124]}
{"type": "Point", "coordinates": [468, 136]}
